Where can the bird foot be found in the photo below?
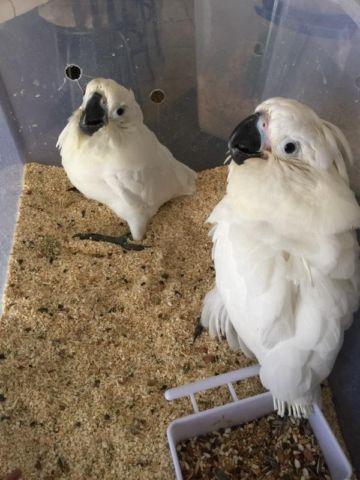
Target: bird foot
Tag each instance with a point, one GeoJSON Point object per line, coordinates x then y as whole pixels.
{"type": "Point", "coordinates": [198, 330]}
{"type": "Point", "coordinates": [122, 241]}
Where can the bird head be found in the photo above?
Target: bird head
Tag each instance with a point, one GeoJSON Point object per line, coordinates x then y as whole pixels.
{"type": "Point", "coordinates": [290, 132]}
{"type": "Point", "coordinates": [106, 103]}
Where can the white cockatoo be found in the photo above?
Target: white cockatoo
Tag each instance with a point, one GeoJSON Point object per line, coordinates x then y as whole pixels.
{"type": "Point", "coordinates": [110, 156]}
{"type": "Point", "coordinates": [285, 250]}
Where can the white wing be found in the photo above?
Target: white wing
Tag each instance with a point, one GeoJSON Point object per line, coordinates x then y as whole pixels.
{"type": "Point", "coordinates": [252, 279]}
{"type": "Point", "coordinates": [154, 176]}
{"type": "Point", "coordinates": [181, 178]}
{"type": "Point", "coordinates": [146, 188]}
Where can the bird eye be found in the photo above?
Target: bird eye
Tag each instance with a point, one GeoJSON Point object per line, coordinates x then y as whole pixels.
{"type": "Point", "coordinates": [120, 111]}
{"type": "Point", "coordinates": [290, 147]}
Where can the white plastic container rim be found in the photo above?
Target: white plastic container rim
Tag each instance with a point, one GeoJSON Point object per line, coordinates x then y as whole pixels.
{"type": "Point", "coordinates": [238, 412]}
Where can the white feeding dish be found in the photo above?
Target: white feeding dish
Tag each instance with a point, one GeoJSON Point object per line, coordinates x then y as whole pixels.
{"type": "Point", "coordinates": [238, 412]}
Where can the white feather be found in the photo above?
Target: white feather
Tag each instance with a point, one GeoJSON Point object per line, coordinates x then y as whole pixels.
{"type": "Point", "coordinates": [123, 165]}
{"type": "Point", "coordinates": [286, 261]}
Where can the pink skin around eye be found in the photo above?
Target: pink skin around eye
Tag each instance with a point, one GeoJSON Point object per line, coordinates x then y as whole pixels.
{"type": "Point", "coordinates": [263, 126]}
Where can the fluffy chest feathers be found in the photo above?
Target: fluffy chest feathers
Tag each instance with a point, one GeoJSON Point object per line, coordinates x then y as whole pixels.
{"type": "Point", "coordinates": [283, 246]}
{"type": "Point", "coordinates": [127, 169]}
{"type": "Point", "coordinates": [292, 197]}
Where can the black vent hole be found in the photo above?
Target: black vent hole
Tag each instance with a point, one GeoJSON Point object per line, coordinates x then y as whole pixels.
{"type": "Point", "coordinates": [73, 72]}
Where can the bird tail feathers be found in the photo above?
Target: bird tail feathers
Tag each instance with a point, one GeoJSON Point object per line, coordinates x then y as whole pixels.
{"type": "Point", "coordinates": [293, 376]}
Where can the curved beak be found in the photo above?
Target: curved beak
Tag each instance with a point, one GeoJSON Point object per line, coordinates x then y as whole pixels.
{"type": "Point", "coordinates": [245, 141]}
{"type": "Point", "coordinates": [94, 116]}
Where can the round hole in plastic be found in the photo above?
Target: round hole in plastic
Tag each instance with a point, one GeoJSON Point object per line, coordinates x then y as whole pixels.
{"type": "Point", "coordinates": [357, 82]}
{"type": "Point", "coordinates": [157, 95]}
{"type": "Point", "coordinates": [73, 72]}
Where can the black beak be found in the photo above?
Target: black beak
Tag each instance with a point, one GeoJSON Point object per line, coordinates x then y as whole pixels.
{"type": "Point", "coordinates": [94, 116]}
{"type": "Point", "coordinates": [245, 140]}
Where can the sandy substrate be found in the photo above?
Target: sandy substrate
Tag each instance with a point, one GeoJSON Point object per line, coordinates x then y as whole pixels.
{"type": "Point", "coordinates": [92, 335]}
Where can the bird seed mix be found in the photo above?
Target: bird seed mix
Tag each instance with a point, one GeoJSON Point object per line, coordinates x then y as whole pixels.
{"type": "Point", "coordinates": [270, 448]}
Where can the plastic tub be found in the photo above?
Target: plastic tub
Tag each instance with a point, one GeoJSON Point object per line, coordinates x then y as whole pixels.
{"type": "Point", "coordinates": [238, 412]}
{"type": "Point", "coordinates": [214, 60]}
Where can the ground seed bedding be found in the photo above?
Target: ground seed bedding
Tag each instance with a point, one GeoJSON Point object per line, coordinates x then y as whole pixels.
{"type": "Point", "coordinates": [92, 335]}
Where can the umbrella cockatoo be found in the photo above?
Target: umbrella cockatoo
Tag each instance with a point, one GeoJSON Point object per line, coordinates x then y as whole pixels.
{"type": "Point", "coordinates": [110, 156]}
{"type": "Point", "coordinates": [285, 251]}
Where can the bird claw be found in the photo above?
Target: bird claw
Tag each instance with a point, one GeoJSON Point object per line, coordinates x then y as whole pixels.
{"type": "Point", "coordinates": [295, 410]}
{"type": "Point", "coordinates": [122, 241]}
{"type": "Point", "coordinates": [198, 329]}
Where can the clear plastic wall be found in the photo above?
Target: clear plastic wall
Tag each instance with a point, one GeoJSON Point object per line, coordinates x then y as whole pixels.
{"type": "Point", "coordinates": [214, 60]}
{"type": "Point", "coordinates": [252, 50]}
